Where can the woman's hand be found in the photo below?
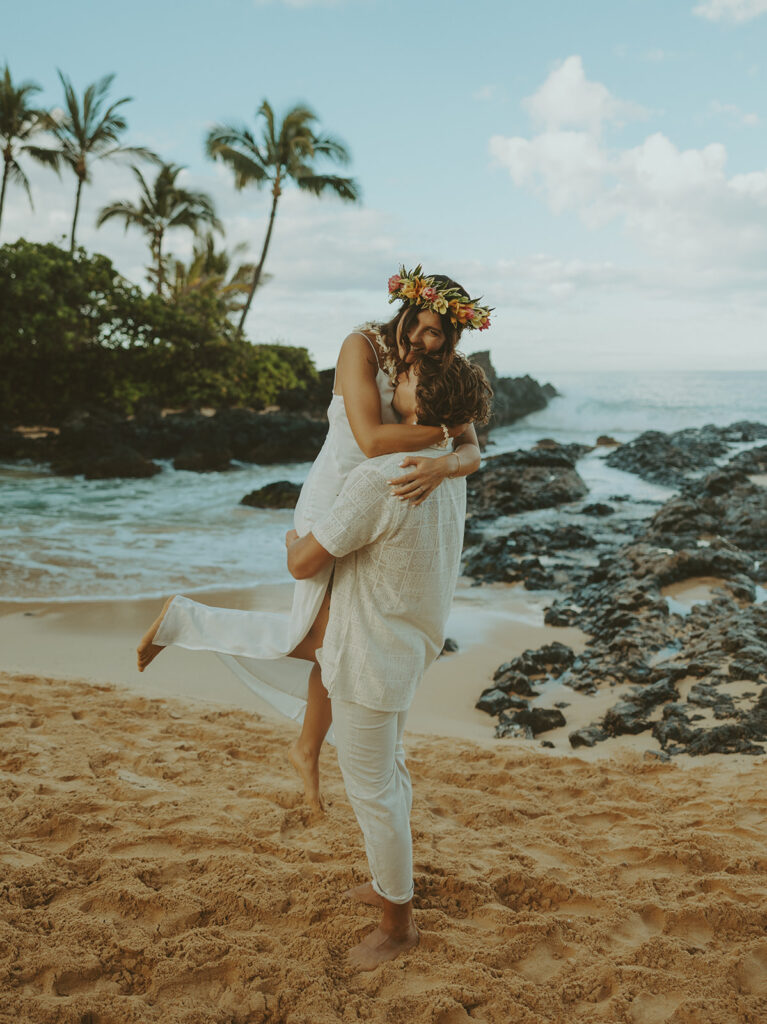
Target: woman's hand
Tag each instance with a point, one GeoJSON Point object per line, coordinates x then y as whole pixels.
{"type": "Point", "coordinates": [425, 475]}
{"type": "Point", "coordinates": [290, 536]}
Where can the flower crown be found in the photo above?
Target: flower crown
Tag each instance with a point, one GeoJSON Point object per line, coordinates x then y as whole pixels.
{"type": "Point", "coordinates": [411, 286]}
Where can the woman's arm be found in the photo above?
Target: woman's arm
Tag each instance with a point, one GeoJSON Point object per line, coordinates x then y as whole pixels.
{"type": "Point", "coordinates": [427, 473]}
{"type": "Point", "coordinates": [356, 374]}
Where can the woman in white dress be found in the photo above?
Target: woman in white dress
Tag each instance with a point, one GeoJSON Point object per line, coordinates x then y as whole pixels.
{"type": "Point", "coordinates": [273, 654]}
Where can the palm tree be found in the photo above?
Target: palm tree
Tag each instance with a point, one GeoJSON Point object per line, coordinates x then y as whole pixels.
{"type": "Point", "coordinates": [19, 121]}
{"type": "Point", "coordinates": [208, 270]}
{"type": "Point", "coordinates": [87, 131]}
{"type": "Point", "coordinates": [283, 153]}
{"type": "Point", "coordinates": [162, 206]}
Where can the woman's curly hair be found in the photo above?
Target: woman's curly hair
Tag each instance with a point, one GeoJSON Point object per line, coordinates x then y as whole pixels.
{"type": "Point", "coordinates": [452, 392]}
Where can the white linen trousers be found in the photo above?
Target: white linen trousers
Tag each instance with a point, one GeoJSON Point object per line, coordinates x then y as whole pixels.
{"type": "Point", "coordinates": [371, 756]}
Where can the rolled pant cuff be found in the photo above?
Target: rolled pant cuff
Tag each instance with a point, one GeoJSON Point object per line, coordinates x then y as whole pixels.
{"type": "Point", "coordinates": [392, 899]}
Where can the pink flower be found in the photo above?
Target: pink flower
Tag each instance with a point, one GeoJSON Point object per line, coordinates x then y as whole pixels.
{"type": "Point", "coordinates": [485, 324]}
{"type": "Point", "coordinates": [429, 294]}
{"type": "Point", "coordinates": [394, 283]}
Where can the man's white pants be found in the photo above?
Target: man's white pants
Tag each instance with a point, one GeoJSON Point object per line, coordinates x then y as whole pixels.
{"type": "Point", "coordinates": [372, 760]}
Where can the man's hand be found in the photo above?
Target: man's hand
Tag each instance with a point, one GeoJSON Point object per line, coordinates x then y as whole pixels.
{"type": "Point", "coordinates": [290, 536]}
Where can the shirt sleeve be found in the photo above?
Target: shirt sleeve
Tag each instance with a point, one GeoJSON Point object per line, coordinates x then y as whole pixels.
{"type": "Point", "coordinates": [360, 513]}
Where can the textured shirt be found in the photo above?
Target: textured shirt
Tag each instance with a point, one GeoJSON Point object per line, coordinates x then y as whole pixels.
{"type": "Point", "coordinates": [394, 581]}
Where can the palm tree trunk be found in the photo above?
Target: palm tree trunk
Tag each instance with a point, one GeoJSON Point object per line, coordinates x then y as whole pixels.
{"type": "Point", "coordinates": [77, 210]}
{"type": "Point", "coordinates": [160, 281]}
{"type": "Point", "coordinates": [6, 168]}
{"type": "Point", "coordinates": [257, 272]}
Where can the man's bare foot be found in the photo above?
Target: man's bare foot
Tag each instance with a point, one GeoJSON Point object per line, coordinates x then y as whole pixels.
{"type": "Point", "coordinates": [380, 946]}
{"type": "Point", "coordinates": [309, 770]}
{"type": "Point", "coordinates": [365, 894]}
{"type": "Point", "coordinates": [146, 650]}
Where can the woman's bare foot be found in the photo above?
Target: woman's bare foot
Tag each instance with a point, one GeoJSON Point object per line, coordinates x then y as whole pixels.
{"type": "Point", "coordinates": [146, 650]}
{"type": "Point", "coordinates": [365, 894]}
{"type": "Point", "coordinates": [309, 770]}
{"type": "Point", "coordinates": [380, 946]}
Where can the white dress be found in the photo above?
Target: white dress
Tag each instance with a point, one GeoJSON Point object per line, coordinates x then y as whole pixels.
{"type": "Point", "coordinates": [255, 644]}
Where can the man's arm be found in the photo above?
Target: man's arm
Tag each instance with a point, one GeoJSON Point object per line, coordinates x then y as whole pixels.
{"type": "Point", "coordinates": [306, 556]}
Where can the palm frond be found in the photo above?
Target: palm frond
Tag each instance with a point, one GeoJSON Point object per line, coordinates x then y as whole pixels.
{"type": "Point", "coordinates": [318, 184]}
{"type": "Point", "coordinates": [128, 151]}
{"type": "Point", "coordinates": [246, 170]}
{"type": "Point", "coordinates": [265, 110]}
{"type": "Point", "coordinates": [230, 136]}
{"type": "Point", "coordinates": [16, 175]}
{"type": "Point", "coordinates": [125, 210]}
{"type": "Point", "coordinates": [335, 149]}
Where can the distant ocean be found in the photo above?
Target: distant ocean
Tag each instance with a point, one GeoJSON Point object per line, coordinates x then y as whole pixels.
{"type": "Point", "coordinates": [64, 538]}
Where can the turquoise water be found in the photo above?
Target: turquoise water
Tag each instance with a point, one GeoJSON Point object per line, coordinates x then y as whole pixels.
{"type": "Point", "coordinates": [62, 537]}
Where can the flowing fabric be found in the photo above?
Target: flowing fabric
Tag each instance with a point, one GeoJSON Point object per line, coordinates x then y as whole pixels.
{"type": "Point", "coordinates": [255, 644]}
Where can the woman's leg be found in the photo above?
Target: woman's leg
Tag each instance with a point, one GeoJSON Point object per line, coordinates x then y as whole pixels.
{"type": "Point", "coordinates": [305, 750]}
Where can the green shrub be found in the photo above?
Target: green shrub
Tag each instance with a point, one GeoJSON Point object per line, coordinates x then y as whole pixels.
{"type": "Point", "coordinates": [76, 335]}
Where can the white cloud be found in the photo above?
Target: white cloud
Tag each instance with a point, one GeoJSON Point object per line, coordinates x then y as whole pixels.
{"type": "Point", "coordinates": [657, 55]}
{"type": "Point", "coordinates": [734, 112]}
{"type": "Point", "coordinates": [567, 99]}
{"type": "Point", "coordinates": [485, 93]}
{"type": "Point", "coordinates": [680, 203]}
{"type": "Point", "coordinates": [730, 10]}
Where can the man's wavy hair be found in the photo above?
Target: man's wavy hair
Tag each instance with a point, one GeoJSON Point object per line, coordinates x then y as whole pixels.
{"type": "Point", "coordinates": [452, 392]}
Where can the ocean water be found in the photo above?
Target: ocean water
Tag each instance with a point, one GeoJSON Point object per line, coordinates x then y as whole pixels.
{"type": "Point", "coordinates": [64, 538]}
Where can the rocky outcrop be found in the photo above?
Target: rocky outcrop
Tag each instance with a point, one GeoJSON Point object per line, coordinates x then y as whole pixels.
{"type": "Point", "coordinates": [524, 480]}
{"type": "Point", "coordinates": [670, 459]}
{"type": "Point", "coordinates": [280, 494]}
{"type": "Point", "coordinates": [513, 397]}
{"type": "Point", "coordinates": [642, 644]}
{"type": "Point", "coordinates": [99, 445]}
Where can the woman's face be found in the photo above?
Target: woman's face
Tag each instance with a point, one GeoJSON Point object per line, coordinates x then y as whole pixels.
{"type": "Point", "coordinates": [404, 401]}
{"type": "Point", "coordinates": [426, 335]}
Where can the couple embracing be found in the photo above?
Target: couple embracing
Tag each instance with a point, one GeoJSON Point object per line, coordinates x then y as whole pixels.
{"type": "Point", "coordinates": [376, 558]}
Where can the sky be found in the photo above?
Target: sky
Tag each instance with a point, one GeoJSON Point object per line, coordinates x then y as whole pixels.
{"type": "Point", "coordinates": [597, 171]}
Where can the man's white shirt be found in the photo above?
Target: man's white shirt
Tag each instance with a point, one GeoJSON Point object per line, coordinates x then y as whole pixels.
{"type": "Point", "coordinates": [393, 584]}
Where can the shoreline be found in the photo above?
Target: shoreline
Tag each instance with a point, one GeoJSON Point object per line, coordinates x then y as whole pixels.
{"type": "Point", "coordinates": [94, 641]}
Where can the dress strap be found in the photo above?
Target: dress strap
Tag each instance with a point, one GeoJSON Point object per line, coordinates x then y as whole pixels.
{"type": "Point", "coordinates": [376, 351]}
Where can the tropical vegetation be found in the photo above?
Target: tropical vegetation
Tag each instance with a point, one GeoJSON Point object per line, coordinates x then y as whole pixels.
{"type": "Point", "coordinates": [162, 206]}
{"type": "Point", "coordinates": [286, 152]}
{"type": "Point", "coordinates": [20, 121]}
{"type": "Point", "coordinates": [75, 334]}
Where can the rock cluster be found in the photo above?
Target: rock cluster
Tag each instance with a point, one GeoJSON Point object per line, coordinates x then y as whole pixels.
{"type": "Point", "coordinates": [670, 458]}
{"type": "Point", "coordinates": [513, 397]}
{"type": "Point", "coordinates": [696, 681]}
{"type": "Point", "coordinates": [102, 445]}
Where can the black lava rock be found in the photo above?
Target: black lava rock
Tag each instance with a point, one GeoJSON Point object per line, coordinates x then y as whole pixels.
{"type": "Point", "coordinates": [280, 494]}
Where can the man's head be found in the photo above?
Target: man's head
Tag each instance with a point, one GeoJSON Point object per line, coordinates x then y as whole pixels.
{"type": "Point", "coordinates": [453, 393]}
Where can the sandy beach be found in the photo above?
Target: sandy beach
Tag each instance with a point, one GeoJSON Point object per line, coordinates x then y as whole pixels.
{"type": "Point", "coordinates": [159, 864]}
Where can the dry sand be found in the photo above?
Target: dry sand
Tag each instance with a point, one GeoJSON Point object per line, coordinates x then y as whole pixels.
{"type": "Point", "coordinates": [158, 866]}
